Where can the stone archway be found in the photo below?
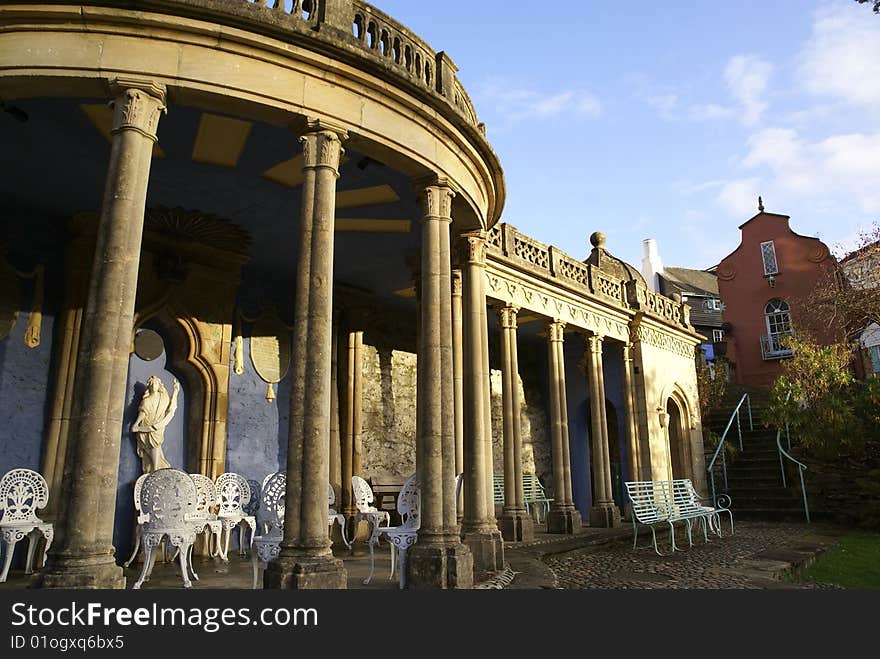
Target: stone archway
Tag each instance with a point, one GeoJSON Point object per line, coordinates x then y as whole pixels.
{"type": "Point", "coordinates": [680, 459]}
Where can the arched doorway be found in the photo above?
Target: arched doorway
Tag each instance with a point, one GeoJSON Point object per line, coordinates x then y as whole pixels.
{"type": "Point", "coordinates": [679, 446]}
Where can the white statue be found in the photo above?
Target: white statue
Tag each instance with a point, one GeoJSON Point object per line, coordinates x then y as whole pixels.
{"type": "Point", "coordinates": [154, 413]}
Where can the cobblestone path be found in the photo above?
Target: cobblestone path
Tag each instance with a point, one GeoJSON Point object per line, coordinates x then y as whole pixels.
{"type": "Point", "coordinates": [753, 558]}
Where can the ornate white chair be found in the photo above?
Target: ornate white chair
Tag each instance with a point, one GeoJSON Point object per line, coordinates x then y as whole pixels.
{"type": "Point", "coordinates": [405, 535]}
{"type": "Point", "coordinates": [334, 517]}
{"type": "Point", "coordinates": [138, 486]}
{"type": "Point", "coordinates": [233, 492]}
{"type": "Point", "coordinates": [206, 519]}
{"type": "Point", "coordinates": [22, 493]}
{"type": "Point", "coordinates": [168, 503]}
{"type": "Point", "coordinates": [363, 501]}
{"type": "Point", "coordinates": [265, 547]}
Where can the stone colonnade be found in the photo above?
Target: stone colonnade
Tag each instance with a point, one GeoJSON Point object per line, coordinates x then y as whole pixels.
{"type": "Point", "coordinates": [454, 415]}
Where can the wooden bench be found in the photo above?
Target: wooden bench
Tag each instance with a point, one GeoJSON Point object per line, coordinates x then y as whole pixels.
{"type": "Point", "coordinates": [668, 502]}
{"type": "Point", "coordinates": [385, 491]}
{"type": "Point", "coordinates": [534, 497]}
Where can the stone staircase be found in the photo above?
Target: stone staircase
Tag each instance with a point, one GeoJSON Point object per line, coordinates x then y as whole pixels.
{"type": "Point", "coordinates": [753, 475]}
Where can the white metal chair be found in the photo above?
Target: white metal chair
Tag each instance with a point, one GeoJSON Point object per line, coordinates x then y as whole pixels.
{"type": "Point", "coordinates": [22, 493]}
{"type": "Point", "coordinates": [363, 501]}
{"type": "Point", "coordinates": [266, 546]}
{"type": "Point", "coordinates": [168, 503]}
{"type": "Point", "coordinates": [405, 535]}
{"type": "Point", "coordinates": [233, 492]}
{"type": "Point", "coordinates": [206, 517]}
{"type": "Point", "coordinates": [138, 486]}
{"type": "Point", "coordinates": [333, 516]}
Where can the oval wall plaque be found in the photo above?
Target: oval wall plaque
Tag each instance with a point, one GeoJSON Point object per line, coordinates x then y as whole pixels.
{"type": "Point", "coordinates": [270, 349]}
{"type": "Point", "coordinates": [148, 345]}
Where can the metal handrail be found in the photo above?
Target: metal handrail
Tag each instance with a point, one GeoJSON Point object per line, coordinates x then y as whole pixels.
{"type": "Point", "coordinates": [801, 466]}
{"type": "Point", "coordinates": [734, 415]}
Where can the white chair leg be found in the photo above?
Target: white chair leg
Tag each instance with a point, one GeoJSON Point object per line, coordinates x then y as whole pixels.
{"type": "Point", "coordinates": [8, 550]}
{"type": "Point", "coordinates": [228, 534]}
{"type": "Point", "coordinates": [149, 557]}
{"type": "Point", "coordinates": [393, 548]}
{"type": "Point", "coordinates": [137, 545]}
{"type": "Point", "coordinates": [402, 566]}
{"type": "Point", "coordinates": [184, 568]}
{"type": "Point", "coordinates": [33, 539]}
{"type": "Point", "coordinates": [256, 566]}
{"type": "Point", "coordinates": [240, 539]}
{"type": "Point", "coordinates": [190, 561]}
{"type": "Point", "coordinates": [372, 561]}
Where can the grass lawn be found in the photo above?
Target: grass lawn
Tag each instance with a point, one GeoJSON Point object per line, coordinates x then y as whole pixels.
{"type": "Point", "coordinates": [853, 563]}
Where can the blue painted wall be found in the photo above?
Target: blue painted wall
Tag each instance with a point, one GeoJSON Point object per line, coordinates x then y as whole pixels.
{"type": "Point", "coordinates": [256, 443]}
{"type": "Point", "coordinates": [174, 447]}
{"type": "Point", "coordinates": [25, 387]}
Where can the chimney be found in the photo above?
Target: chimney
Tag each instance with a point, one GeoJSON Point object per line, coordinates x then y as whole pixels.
{"type": "Point", "coordinates": [652, 266]}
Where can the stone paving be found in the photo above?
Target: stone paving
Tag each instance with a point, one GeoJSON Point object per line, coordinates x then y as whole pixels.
{"type": "Point", "coordinates": [757, 556]}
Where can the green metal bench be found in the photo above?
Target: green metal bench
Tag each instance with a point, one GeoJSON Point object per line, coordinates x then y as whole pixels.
{"type": "Point", "coordinates": [534, 497]}
{"type": "Point", "coordinates": [666, 502]}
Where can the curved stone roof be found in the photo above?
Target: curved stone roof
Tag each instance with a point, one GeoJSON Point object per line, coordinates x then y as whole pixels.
{"type": "Point", "coordinates": [610, 264]}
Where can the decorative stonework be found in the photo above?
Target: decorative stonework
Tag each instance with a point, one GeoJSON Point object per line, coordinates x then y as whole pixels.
{"type": "Point", "coordinates": [136, 109]}
{"type": "Point", "coordinates": [178, 224]}
{"type": "Point", "coordinates": [501, 287]}
{"type": "Point", "coordinates": [436, 202]}
{"type": "Point", "coordinates": [555, 330]}
{"type": "Point", "coordinates": [507, 316]}
{"type": "Point", "coordinates": [322, 147]}
{"type": "Point", "coordinates": [472, 248]}
{"type": "Point", "coordinates": [659, 339]}
{"type": "Point", "coordinates": [456, 283]}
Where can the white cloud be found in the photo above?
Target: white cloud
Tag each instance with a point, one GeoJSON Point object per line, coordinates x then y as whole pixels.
{"type": "Point", "coordinates": [833, 172]}
{"type": "Point", "coordinates": [747, 77]}
{"type": "Point", "coordinates": [840, 59]}
{"type": "Point", "coordinates": [513, 104]}
{"type": "Point", "coordinates": [740, 197]}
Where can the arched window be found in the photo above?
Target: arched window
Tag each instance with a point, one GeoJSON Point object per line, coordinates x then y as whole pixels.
{"type": "Point", "coordinates": [778, 317]}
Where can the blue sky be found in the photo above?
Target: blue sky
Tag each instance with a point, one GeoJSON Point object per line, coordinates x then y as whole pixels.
{"type": "Point", "coordinates": [666, 120]}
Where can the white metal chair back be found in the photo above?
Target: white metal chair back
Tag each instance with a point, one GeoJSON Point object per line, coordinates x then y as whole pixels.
{"type": "Point", "coordinates": [22, 493]}
{"type": "Point", "coordinates": [409, 504]}
{"type": "Point", "coordinates": [206, 494]}
{"type": "Point", "coordinates": [168, 503]}
{"type": "Point", "coordinates": [363, 495]}
{"type": "Point", "coordinates": [233, 492]}
{"type": "Point", "coordinates": [138, 486]}
{"type": "Point", "coordinates": [272, 505]}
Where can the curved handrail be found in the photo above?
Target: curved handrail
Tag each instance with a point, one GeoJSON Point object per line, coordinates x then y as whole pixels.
{"type": "Point", "coordinates": [719, 450]}
{"type": "Point", "coordinates": [801, 466]}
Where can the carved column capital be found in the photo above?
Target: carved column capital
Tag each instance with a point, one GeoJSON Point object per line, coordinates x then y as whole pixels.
{"type": "Point", "coordinates": [507, 316]}
{"type": "Point", "coordinates": [555, 329]}
{"type": "Point", "coordinates": [456, 283]}
{"type": "Point", "coordinates": [137, 106]}
{"type": "Point", "coordinates": [322, 145]}
{"type": "Point", "coordinates": [594, 341]}
{"type": "Point", "coordinates": [436, 200]}
{"type": "Point", "coordinates": [472, 248]}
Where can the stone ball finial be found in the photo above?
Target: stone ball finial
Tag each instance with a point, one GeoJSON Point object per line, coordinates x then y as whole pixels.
{"type": "Point", "coordinates": [598, 239]}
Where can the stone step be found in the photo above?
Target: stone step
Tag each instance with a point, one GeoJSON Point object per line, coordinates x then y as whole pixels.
{"type": "Point", "coordinates": [775, 514]}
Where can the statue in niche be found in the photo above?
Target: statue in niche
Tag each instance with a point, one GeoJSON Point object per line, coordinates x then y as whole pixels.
{"type": "Point", "coordinates": [154, 413]}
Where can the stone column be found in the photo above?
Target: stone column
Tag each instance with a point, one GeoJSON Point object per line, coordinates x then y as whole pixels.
{"type": "Point", "coordinates": [515, 523]}
{"type": "Point", "coordinates": [84, 556]}
{"type": "Point", "coordinates": [604, 512]}
{"type": "Point", "coordinates": [632, 430]}
{"type": "Point", "coordinates": [305, 560]}
{"type": "Point", "coordinates": [563, 517]}
{"type": "Point", "coordinates": [479, 528]}
{"type": "Point", "coordinates": [355, 387]}
{"type": "Point", "coordinates": [438, 559]}
{"type": "Point", "coordinates": [457, 376]}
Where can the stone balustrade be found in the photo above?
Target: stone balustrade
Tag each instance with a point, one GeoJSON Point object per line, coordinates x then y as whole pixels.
{"type": "Point", "coordinates": [506, 242]}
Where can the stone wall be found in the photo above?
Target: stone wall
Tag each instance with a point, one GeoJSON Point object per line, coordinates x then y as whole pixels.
{"type": "Point", "coordinates": [388, 433]}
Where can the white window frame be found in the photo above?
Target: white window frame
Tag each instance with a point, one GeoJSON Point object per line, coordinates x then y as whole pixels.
{"type": "Point", "coordinates": [778, 319]}
{"type": "Point", "coordinates": [768, 248]}
{"type": "Point", "coordinates": [717, 335]}
{"type": "Point", "coordinates": [714, 304]}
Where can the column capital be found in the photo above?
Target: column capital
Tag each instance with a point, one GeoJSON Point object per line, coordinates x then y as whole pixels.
{"type": "Point", "coordinates": [322, 145]}
{"type": "Point", "coordinates": [456, 283]}
{"type": "Point", "coordinates": [507, 316]}
{"type": "Point", "coordinates": [555, 330]}
{"type": "Point", "coordinates": [472, 248]}
{"type": "Point", "coordinates": [137, 105]}
{"type": "Point", "coordinates": [594, 341]}
{"type": "Point", "coordinates": [435, 195]}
